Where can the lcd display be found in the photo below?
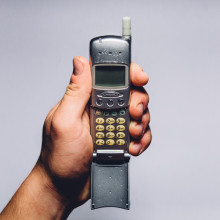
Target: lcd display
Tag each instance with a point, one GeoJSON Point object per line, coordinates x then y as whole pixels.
{"type": "Point", "coordinates": [110, 76]}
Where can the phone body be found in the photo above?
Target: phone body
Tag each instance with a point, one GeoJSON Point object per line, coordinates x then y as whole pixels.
{"type": "Point", "coordinates": [110, 58]}
{"type": "Point", "coordinates": [109, 114]}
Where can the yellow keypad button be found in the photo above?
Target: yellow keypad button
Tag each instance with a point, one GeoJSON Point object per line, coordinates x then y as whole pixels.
{"type": "Point", "coordinates": [100, 135]}
{"type": "Point", "coordinates": [110, 127]}
{"type": "Point", "coordinates": [120, 120]}
{"type": "Point", "coordinates": [110, 121]}
{"type": "Point", "coordinates": [99, 120]}
{"type": "Point", "coordinates": [110, 135]}
{"type": "Point", "coordinates": [120, 135]}
{"type": "Point", "coordinates": [98, 112]}
{"type": "Point", "coordinates": [120, 142]}
{"type": "Point", "coordinates": [120, 128]}
{"type": "Point", "coordinates": [110, 142]}
{"type": "Point", "coordinates": [100, 128]}
{"type": "Point", "coordinates": [100, 142]}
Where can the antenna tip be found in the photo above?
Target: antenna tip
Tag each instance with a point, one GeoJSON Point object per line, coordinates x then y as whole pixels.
{"type": "Point", "coordinates": [126, 26]}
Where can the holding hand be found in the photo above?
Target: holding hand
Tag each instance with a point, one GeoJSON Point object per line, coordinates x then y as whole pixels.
{"type": "Point", "coordinates": [67, 143]}
{"type": "Point", "coordinates": [60, 181]}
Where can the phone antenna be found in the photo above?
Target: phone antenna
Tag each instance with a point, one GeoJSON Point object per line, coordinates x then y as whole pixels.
{"type": "Point", "coordinates": [126, 26]}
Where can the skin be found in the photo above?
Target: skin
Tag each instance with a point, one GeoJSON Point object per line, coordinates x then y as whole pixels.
{"type": "Point", "coordinates": [60, 180]}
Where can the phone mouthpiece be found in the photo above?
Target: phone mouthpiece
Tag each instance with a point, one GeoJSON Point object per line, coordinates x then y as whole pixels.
{"type": "Point", "coordinates": [126, 26]}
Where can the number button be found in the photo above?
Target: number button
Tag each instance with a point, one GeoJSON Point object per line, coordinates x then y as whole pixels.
{"type": "Point", "coordinates": [100, 135]}
{"type": "Point", "coordinates": [100, 128]}
{"type": "Point", "coordinates": [100, 142]}
{"type": "Point", "coordinates": [110, 142]}
{"type": "Point", "coordinates": [110, 121]}
{"type": "Point", "coordinates": [120, 142]}
{"type": "Point", "coordinates": [99, 120]}
{"type": "Point", "coordinates": [120, 135]}
{"type": "Point", "coordinates": [110, 127]}
{"type": "Point", "coordinates": [120, 120]}
{"type": "Point", "coordinates": [110, 135]}
{"type": "Point", "coordinates": [120, 128]}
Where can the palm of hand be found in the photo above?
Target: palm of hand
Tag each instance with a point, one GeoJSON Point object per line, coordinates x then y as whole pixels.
{"type": "Point", "coordinates": [67, 153]}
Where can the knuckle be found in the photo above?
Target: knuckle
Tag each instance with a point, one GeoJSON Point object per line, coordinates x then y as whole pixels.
{"type": "Point", "coordinates": [135, 112]}
{"type": "Point", "coordinates": [147, 138]}
{"type": "Point", "coordinates": [136, 130]}
{"type": "Point", "coordinates": [72, 88]}
{"type": "Point", "coordinates": [146, 117]}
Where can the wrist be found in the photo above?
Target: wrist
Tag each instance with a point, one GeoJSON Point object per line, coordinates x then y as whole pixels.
{"type": "Point", "coordinates": [36, 199]}
{"type": "Point", "coordinates": [46, 201]}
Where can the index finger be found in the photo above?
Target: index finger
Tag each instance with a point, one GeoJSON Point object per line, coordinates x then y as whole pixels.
{"type": "Point", "coordinates": [138, 76]}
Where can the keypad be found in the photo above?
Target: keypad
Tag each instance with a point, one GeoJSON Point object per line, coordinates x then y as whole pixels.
{"type": "Point", "coordinates": [120, 128]}
{"type": "Point", "coordinates": [120, 120]}
{"type": "Point", "coordinates": [99, 120]}
{"type": "Point", "coordinates": [120, 135]}
{"type": "Point", "coordinates": [100, 135]}
{"type": "Point", "coordinates": [120, 142]}
{"type": "Point", "coordinates": [110, 121]}
{"type": "Point", "coordinates": [110, 142]}
{"type": "Point", "coordinates": [110, 135]}
{"type": "Point", "coordinates": [100, 128]}
{"type": "Point", "coordinates": [100, 142]}
{"type": "Point", "coordinates": [110, 128]}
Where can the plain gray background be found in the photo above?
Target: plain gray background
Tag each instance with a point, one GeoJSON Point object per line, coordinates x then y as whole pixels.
{"type": "Point", "coordinates": [176, 42]}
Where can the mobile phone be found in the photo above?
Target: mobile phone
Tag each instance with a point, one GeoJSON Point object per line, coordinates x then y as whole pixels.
{"type": "Point", "coordinates": [110, 58]}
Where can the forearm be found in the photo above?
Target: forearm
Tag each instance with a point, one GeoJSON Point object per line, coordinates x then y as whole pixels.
{"type": "Point", "coordinates": [36, 199]}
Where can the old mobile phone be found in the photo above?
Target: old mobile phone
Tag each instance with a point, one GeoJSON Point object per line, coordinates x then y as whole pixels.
{"type": "Point", "coordinates": [110, 58]}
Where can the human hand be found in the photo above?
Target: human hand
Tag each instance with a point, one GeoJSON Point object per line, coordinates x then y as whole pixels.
{"type": "Point", "coordinates": [60, 181]}
{"type": "Point", "coordinates": [67, 147]}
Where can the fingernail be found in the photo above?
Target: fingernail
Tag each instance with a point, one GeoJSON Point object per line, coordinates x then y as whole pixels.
{"type": "Point", "coordinates": [137, 147]}
{"type": "Point", "coordinates": [140, 107]}
{"type": "Point", "coordinates": [78, 66]}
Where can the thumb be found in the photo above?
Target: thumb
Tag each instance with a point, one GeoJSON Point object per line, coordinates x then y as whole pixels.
{"type": "Point", "coordinates": [78, 91]}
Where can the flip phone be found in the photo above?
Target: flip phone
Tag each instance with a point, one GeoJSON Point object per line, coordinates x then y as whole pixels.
{"type": "Point", "coordinates": [110, 58]}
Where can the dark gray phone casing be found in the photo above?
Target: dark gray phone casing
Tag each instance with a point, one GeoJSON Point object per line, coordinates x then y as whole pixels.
{"type": "Point", "coordinates": [109, 174]}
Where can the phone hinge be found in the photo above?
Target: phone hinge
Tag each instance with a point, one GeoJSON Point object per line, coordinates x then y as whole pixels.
{"type": "Point", "coordinates": [111, 156]}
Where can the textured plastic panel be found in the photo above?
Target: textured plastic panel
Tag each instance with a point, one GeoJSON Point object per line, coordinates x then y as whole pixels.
{"type": "Point", "coordinates": [110, 49]}
{"type": "Point", "coordinates": [110, 186]}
